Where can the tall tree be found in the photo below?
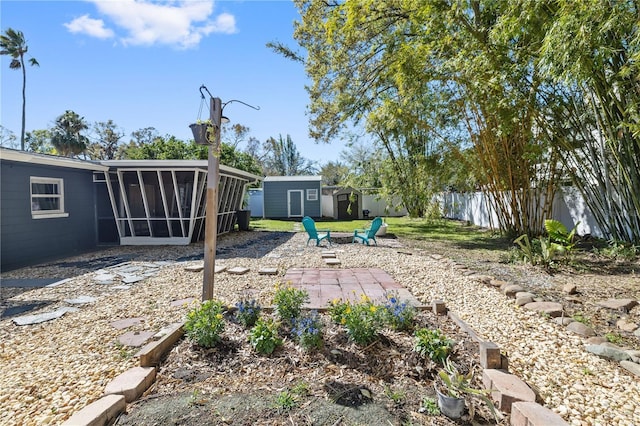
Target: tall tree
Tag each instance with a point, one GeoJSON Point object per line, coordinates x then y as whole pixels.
{"type": "Point", "coordinates": [284, 159]}
{"type": "Point", "coordinates": [108, 136]}
{"type": "Point", "coordinates": [334, 173]}
{"type": "Point", "coordinates": [13, 43]}
{"type": "Point", "coordinates": [67, 137]}
{"type": "Point", "coordinates": [39, 141]}
{"type": "Point", "coordinates": [7, 137]}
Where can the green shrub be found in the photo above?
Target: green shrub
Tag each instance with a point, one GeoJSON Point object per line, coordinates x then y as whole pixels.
{"type": "Point", "coordinates": [433, 344]}
{"type": "Point", "coordinates": [264, 336]}
{"type": "Point", "coordinates": [308, 331]}
{"type": "Point", "coordinates": [288, 302]}
{"type": "Point", "coordinates": [398, 315]}
{"type": "Point", "coordinates": [247, 312]}
{"type": "Point", "coordinates": [205, 323]}
{"type": "Point", "coordinates": [362, 321]}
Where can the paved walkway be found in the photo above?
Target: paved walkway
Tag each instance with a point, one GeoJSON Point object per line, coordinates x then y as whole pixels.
{"type": "Point", "coordinates": [327, 284]}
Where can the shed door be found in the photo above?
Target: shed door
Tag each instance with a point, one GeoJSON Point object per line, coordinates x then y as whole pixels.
{"type": "Point", "coordinates": [343, 207]}
{"type": "Point", "coordinates": [295, 200]}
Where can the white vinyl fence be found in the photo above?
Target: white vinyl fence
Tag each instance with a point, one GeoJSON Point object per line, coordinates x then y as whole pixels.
{"type": "Point", "coordinates": [475, 207]}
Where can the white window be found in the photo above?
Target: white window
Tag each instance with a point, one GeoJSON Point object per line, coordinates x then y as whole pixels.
{"type": "Point", "coordinates": [312, 195]}
{"type": "Point", "coordinates": [47, 198]}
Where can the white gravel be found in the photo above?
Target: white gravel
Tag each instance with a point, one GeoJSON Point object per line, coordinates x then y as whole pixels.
{"type": "Point", "coordinates": [52, 369]}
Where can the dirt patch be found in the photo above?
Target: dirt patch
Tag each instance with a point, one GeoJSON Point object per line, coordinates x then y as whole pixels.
{"type": "Point", "coordinates": [343, 383]}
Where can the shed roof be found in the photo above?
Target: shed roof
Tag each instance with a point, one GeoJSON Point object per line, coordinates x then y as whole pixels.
{"type": "Point", "coordinates": [291, 178]}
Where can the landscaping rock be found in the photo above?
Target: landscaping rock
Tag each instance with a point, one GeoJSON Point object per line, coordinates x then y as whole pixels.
{"type": "Point", "coordinates": [511, 290]}
{"type": "Point", "coordinates": [570, 289]}
{"type": "Point", "coordinates": [497, 283]}
{"type": "Point", "coordinates": [238, 270]}
{"type": "Point", "coordinates": [268, 271]}
{"type": "Point", "coordinates": [523, 300]}
{"type": "Point", "coordinates": [81, 300]}
{"type": "Point", "coordinates": [626, 325]}
{"type": "Point", "coordinates": [563, 320]}
{"type": "Point", "coordinates": [596, 340]}
{"type": "Point", "coordinates": [581, 329]}
{"type": "Point", "coordinates": [631, 367]}
{"type": "Point", "coordinates": [618, 304]}
{"type": "Point", "coordinates": [635, 356]}
{"type": "Point", "coordinates": [552, 309]}
{"type": "Point", "coordinates": [195, 268]}
{"type": "Point", "coordinates": [608, 352]}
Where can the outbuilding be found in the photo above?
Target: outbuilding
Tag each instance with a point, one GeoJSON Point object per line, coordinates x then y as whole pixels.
{"type": "Point", "coordinates": [288, 197]}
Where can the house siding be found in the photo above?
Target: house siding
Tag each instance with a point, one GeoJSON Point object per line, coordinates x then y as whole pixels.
{"type": "Point", "coordinates": [276, 201]}
{"type": "Point", "coordinates": [27, 241]}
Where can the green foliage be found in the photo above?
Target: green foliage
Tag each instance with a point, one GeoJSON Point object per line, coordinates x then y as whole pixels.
{"type": "Point", "coordinates": [526, 249]}
{"type": "Point", "coordinates": [307, 330]}
{"type": "Point", "coordinates": [430, 407]}
{"type": "Point", "coordinates": [362, 320]}
{"type": "Point", "coordinates": [458, 385]}
{"type": "Point", "coordinates": [619, 250]}
{"type": "Point", "coordinates": [264, 336]}
{"type": "Point", "coordinates": [205, 323]}
{"type": "Point", "coordinates": [286, 400]}
{"type": "Point", "coordinates": [67, 137]}
{"type": "Point", "coordinates": [247, 312]}
{"type": "Point", "coordinates": [288, 302]}
{"type": "Point", "coordinates": [614, 338]}
{"type": "Point", "coordinates": [579, 317]}
{"type": "Point", "coordinates": [398, 314]}
{"type": "Point", "coordinates": [284, 159]}
{"type": "Point", "coordinates": [433, 344]}
{"type": "Point", "coordinates": [396, 395]}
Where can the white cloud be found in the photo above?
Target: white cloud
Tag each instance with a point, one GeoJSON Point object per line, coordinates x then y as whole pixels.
{"type": "Point", "coordinates": [89, 26]}
{"type": "Point", "coordinates": [180, 23]}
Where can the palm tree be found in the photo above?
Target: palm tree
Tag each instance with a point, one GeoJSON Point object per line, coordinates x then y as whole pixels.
{"type": "Point", "coordinates": [12, 43]}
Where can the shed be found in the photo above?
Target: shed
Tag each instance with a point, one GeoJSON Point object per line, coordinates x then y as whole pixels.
{"type": "Point", "coordinates": [291, 196]}
{"type": "Point", "coordinates": [256, 202]}
{"type": "Point", "coordinates": [347, 204]}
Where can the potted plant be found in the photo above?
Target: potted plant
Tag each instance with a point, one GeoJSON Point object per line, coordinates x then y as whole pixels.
{"type": "Point", "coordinates": [202, 132]}
{"type": "Point", "coordinates": [454, 388]}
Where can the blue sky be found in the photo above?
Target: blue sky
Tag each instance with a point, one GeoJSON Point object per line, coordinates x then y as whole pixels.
{"type": "Point", "coordinates": [140, 64]}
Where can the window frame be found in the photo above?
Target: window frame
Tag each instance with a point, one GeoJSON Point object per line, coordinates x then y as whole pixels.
{"type": "Point", "coordinates": [46, 214]}
{"type": "Point", "coordinates": [313, 197]}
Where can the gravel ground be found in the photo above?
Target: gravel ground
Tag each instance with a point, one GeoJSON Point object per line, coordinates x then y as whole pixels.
{"type": "Point", "coordinates": [52, 369]}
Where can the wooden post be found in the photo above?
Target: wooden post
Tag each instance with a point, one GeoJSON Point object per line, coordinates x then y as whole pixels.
{"type": "Point", "coordinates": [211, 220]}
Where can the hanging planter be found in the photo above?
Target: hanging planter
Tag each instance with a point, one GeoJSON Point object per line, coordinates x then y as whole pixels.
{"type": "Point", "coordinates": [202, 133]}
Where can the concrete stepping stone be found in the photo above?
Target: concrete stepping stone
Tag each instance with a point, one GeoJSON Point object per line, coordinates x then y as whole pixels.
{"type": "Point", "coordinates": [182, 302]}
{"type": "Point", "coordinates": [328, 255]}
{"type": "Point", "coordinates": [57, 283]}
{"type": "Point", "coordinates": [121, 287]}
{"type": "Point", "coordinates": [268, 271]}
{"type": "Point", "coordinates": [46, 316]}
{"type": "Point", "coordinates": [135, 338]}
{"type": "Point", "coordinates": [130, 279]}
{"type": "Point", "coordinates": [104, 279]}
{"type": "Point", "coordinates": [238, 270]}
{"type": "Point", "coordinates": [332, 261]}
{"type": "Point", "coordinates": [218, 269]}
{"type": "Point", "coordinates": [126, 323]}
{"type": "Point", "coordinates": [81, 300]}
{"type": "Point", "coordinates": [618, 304]}
{"type": "Point", "coordinates": [553, 309]}
{"type": "Point", "coordinates": [194, 268]}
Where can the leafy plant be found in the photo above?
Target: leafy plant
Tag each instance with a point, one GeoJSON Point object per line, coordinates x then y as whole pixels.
{"type": "Point", "coordinates": [286, 400]}
{"type": "Point", "coordinates": [429, 406]}
{"type": "Point", "coordinates": [579, 317]}
{"type": "Point", "coordinates": [205, 323]}
{"type": "Point", "coordinates": [398, 314]}
{"type": "Point", "coordinates": [395, 395]}
{"type": "Point", "coordinates": [614, 338]}
{"type": "Point", "coordinates": [247, 312]}
{"type": "Point", "coordinates": [433, 344]}
{"type": "Point", "coordinates": [337, 309]}
{"type": "Point", "coordinates": [559, 234]}
{"type": "Point", "coordinates": [308, 331]}
{"type": "Point", "coordinates": [362, 320]}
{"type": "Point", "coordinates": [619, 250]}
{"type": "Point", "coordinates": [264, 336]}
{"type": "Point", "coordinates": [526, 249]}
{"type": "Point", "coordinates": [458, 385]}
{"type": "Point", "coordinates": [288, 302]}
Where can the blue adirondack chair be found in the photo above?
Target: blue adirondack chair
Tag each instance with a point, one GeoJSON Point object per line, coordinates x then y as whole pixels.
{"type": "Point", "coordinates": [310, 226]}
{"type": "Point", "coordinates": [368, 234]}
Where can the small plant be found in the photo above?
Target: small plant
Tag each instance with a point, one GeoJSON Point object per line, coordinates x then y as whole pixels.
{"type": "Point", "coordinates": [619, 250]}
{"type": "Point", "coordinates": [264, 336]}
{"type": "Point", "coordinates": [433, 344]}
{"type": "Point", "coordinates": [579, 317]}
{"type": "Point", "coordinates": [288, 302]}
{"type": "Point", "coordinates": [395, 395]}
{"type": "Point", "coordinates": [429, 407]}
{"type": "Point", "coordinates": [336, 310]}
{"type": "Point", "coordinates": [286, 400]}
{"type": "Point", "coordinates": [362, 321]}
{"type": "Point", "coordinates": [399, 315]}
{"type": "Point", "coordinates": [205, 323]}
{"type": "Point", "coordinates": [247, 312]}
{"type": "Point", "coordinates": [308, 331]}
{"type": "Point", "coordinates": [526, 249]}
{"type": "Point", "coordinates": [458, 385]}
{"type": "Point", "coordinates": [560, 236]}
{"type": "Point", "coordinates": [614, 338]}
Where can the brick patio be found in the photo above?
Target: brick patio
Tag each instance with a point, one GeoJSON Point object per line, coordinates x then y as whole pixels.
{"type": "Point", "coordinates": [327, 284]}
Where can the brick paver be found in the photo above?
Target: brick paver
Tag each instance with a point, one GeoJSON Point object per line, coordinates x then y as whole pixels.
{"type": "Point", "coordinates": [327, 284]}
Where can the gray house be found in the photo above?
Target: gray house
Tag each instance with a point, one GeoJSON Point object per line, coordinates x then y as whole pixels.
{"type": "Point", "coordinates": [52, 207]}
{"type": "Point", "coordinates": [291, 197]}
